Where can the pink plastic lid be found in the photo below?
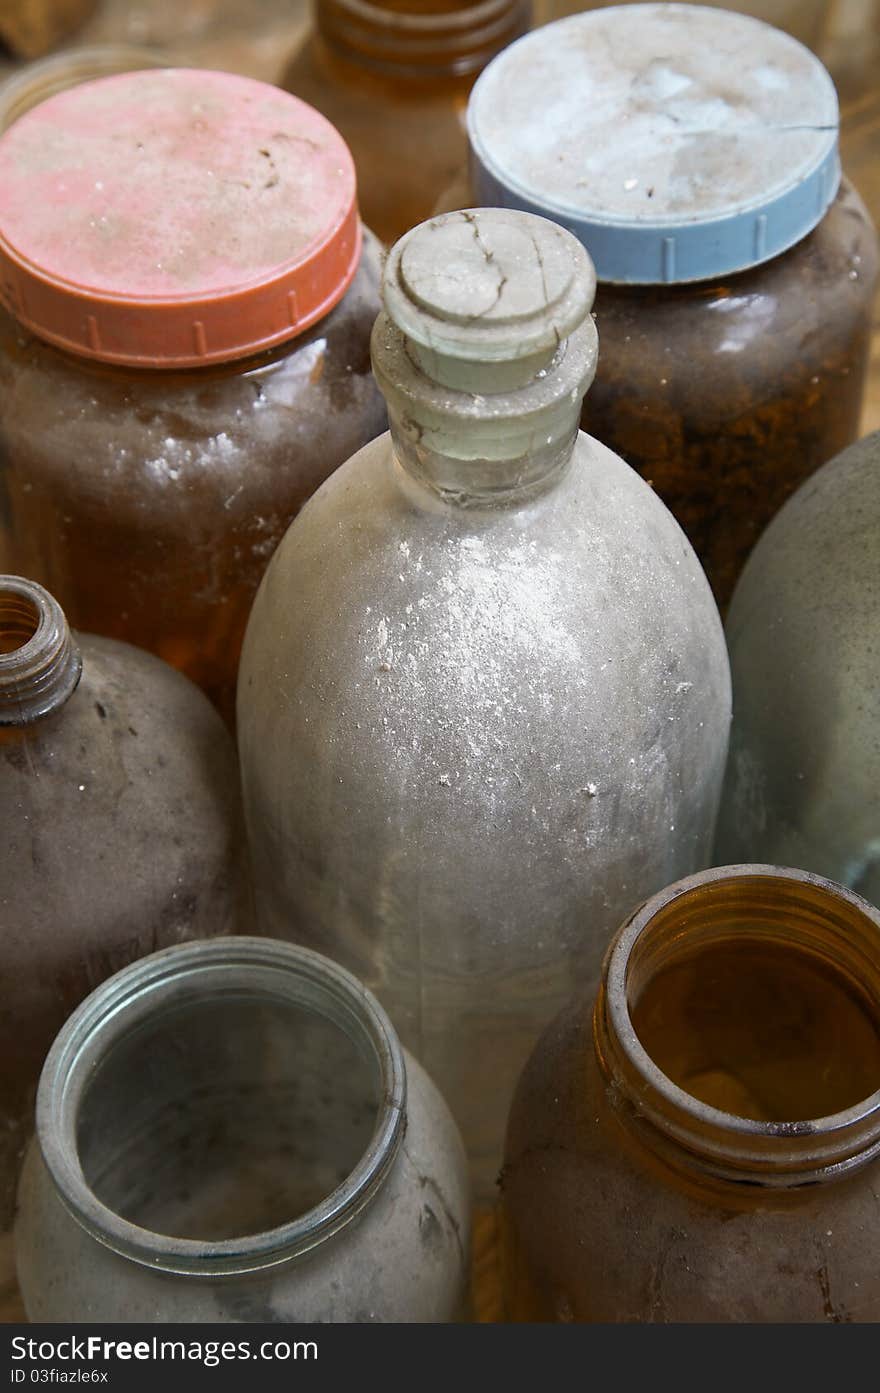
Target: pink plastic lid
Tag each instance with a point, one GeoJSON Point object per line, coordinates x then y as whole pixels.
{"type": "Point", "coordinates": [174, 217]}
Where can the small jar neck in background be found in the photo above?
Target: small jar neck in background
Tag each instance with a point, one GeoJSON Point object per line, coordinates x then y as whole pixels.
{"type": "Point", "coordinates": [40, 665]}
{"type": "Point", "coordinates": [761, 904]}
{"type": "Point", "coordinates": [420, 38]}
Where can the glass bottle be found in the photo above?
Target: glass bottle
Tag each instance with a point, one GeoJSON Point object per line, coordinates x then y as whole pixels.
{"type": "Point", "coordinates": [804, 637]}
{"type": "Point", "coordinates": [704, 1145]}
{"type": "Point", "coordinates": [170, 395]}
{"type": "Point", "coordinates": [394, 76]}
{"type": "Point", "coordinates": [484, 696]}
{"type": "Point", "coordinates": [695, 154]}
{"type": "Point", "coordinates": [282, 1158]}
{"type": "Point", "coordinates": [121, 829]}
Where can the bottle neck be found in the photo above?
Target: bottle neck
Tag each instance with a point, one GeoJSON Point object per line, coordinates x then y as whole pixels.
{"type": "Point", "coordinates": [421, 38]}
{"type": "Point", "coordinates": [767, 908]}
{"type": "Point", "coordinates": [40, 664]}
{"type": "Point", "coordinates": [499, 445]}
{"type": "Point", "coordinates": [281, 1012]}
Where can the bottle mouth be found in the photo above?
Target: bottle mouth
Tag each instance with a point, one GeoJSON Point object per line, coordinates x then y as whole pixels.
{"type": "Point", "coordinates": [706, 1085]}
{"type": "Point", "coordinates": [40, 665]}
{"type": "Point", "coordinates": [269, 1107]}
{"type": "Point", "coordinates": [422, 38]}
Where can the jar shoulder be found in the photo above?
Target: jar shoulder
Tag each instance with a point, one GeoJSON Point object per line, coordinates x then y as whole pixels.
{"type": "Point", "coordinates": [321, 373]}
{"type": "Point", "coordinates": [379, 564]}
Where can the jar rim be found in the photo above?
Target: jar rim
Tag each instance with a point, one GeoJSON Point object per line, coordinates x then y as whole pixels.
{"type": "Point", "coordinates": [270, 968]}
{"type": "Point", "coordinates": [800, 1151]}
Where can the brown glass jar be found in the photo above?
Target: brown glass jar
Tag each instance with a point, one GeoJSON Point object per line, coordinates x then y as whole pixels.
{"type": "Point", "coordinates": [705, 1144]}
{"type": "Point", "coordinates": [394, 76]}
{"type": "Point", "coordinates": [694, 152]}
{"type": "Point", "coordinates": [121, 830]}
{"type": "Point", "coordinates": [178, 376]}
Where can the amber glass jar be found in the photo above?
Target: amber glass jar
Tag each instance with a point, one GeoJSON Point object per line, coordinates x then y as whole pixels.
{"type": "Point", "coordinates": [121, 830]}
{"type": "Point", "coordinates": [185, 355]}
{"type": "Point", "coordinates": [706, 1146]}
{"type": "Point", "coordinates": [394, 76]}
{"type": "Point", "coordinates": [694, 152]}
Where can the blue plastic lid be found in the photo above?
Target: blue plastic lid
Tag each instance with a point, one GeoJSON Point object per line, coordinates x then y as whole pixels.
{"type": "Point", "coordinates": [678, 142]}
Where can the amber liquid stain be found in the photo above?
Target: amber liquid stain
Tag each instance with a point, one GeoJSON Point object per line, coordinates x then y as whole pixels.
{"type": "Point", "coordinates": [761, 1032]}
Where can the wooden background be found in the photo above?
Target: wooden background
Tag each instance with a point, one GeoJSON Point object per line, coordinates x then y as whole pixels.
{"type": "Point", "coordinates": [256, 36]}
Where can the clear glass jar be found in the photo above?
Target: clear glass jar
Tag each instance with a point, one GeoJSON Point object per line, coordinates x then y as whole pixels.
{"type": "Point", "coordinates": [154, 451]}
{"type": "Point", "coordinates": [394, 76]}
{"type": "Point", "coordinates": [281, 1159]}
{"type": "Point", "coordinates": [706, 1147]}
{"type": "Point", "coordinates": [484, 696]}
{"type": "Point", "coordinates": [804, 637]}
{"type": "Point", "coordinates": [736, 271]}
{"type": "Point", "coordinates": [122, 830]}
{"type": "Point", "coordinates": [26, 87]}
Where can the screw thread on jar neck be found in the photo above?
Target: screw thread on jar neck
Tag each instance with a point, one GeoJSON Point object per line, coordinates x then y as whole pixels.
{"type": "Point", "coordinates": [40, 665]}
{"type": "Point", "coordinates": [421, 38]}
{"type": "Point", "coordinates": [484, 352]}
{"type": "Point", "coordinates": [810, 920]}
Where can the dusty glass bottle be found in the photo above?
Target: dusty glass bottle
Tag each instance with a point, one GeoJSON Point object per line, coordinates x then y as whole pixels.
{"type": "Point", "coordinates": [185, 356]}
{"type": "Point", "coordinates": [705, 1145]}
{"type": "Point", "coordinates": [804, 637]}
{"type": "Point", "coordinates": [695, 154]}
{"type": "Point", "coordinates": [121, 826]}
{"type": "Point", "coordinates": [394, 76]}
{"type": "Point", "coordinates": [282, 1158]}
{"type": "Point", "coordinates": [484, 696]}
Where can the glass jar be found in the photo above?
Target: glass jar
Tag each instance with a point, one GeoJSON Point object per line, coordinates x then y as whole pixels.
{"type": "Point", "coordinates": [26, 87]}
{"type": "Point", "coordinates": [170, 396]}
{"type": "Point", "coordinates": [282, 1159]}
{"type": "Point", "coordinates": [705, 1148]}
{"type": "Point", "coordinates": [695, 154]}
{"type": "Point", "coordinates": [121, 823]}
{"type": "Point", "coordinates": [804, 636]}
{"type": "Point", "coordinates": [394, 76]}
{"type": "Point", "coordinates": [32, 27]}
{"type": "Point", "coordinates": [484, 696]}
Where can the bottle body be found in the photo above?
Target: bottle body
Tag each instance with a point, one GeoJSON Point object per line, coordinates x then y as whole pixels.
{"type": "Point", "coordinates": [395, 82]}
{"type": "Point", "coordinates": [633, 1201]}
{"type": "Point", "coordinates": [508, 723]}
{"type": "Point", "coordinates": [274, 1180]}
{"type": "Point", "coordinates": [178, 485]}
{"type": "Point", "coordinates": [803, 769]}
{"type": "Point", "coordinates": [122, 833]}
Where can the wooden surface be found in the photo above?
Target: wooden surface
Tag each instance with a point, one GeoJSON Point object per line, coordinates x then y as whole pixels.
{"type": "Point", "coordinates": [255, 37]}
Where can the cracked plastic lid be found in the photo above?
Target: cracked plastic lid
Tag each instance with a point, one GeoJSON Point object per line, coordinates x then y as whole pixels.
{"type": "Point", "coordinates": [488, 285]}
{"type": "Point", "coordinates": [677, 142]}
{"type": "Point", "coordinates": [174, 217]}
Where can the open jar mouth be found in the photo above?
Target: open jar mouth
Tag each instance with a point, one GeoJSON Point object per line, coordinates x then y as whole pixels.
{"type": "Point", "coordinates": [222, 1106]}
{"type": "Point", "coordinates": [762, 910]}
{"type": "Point", "coordinates": [40, 665]}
